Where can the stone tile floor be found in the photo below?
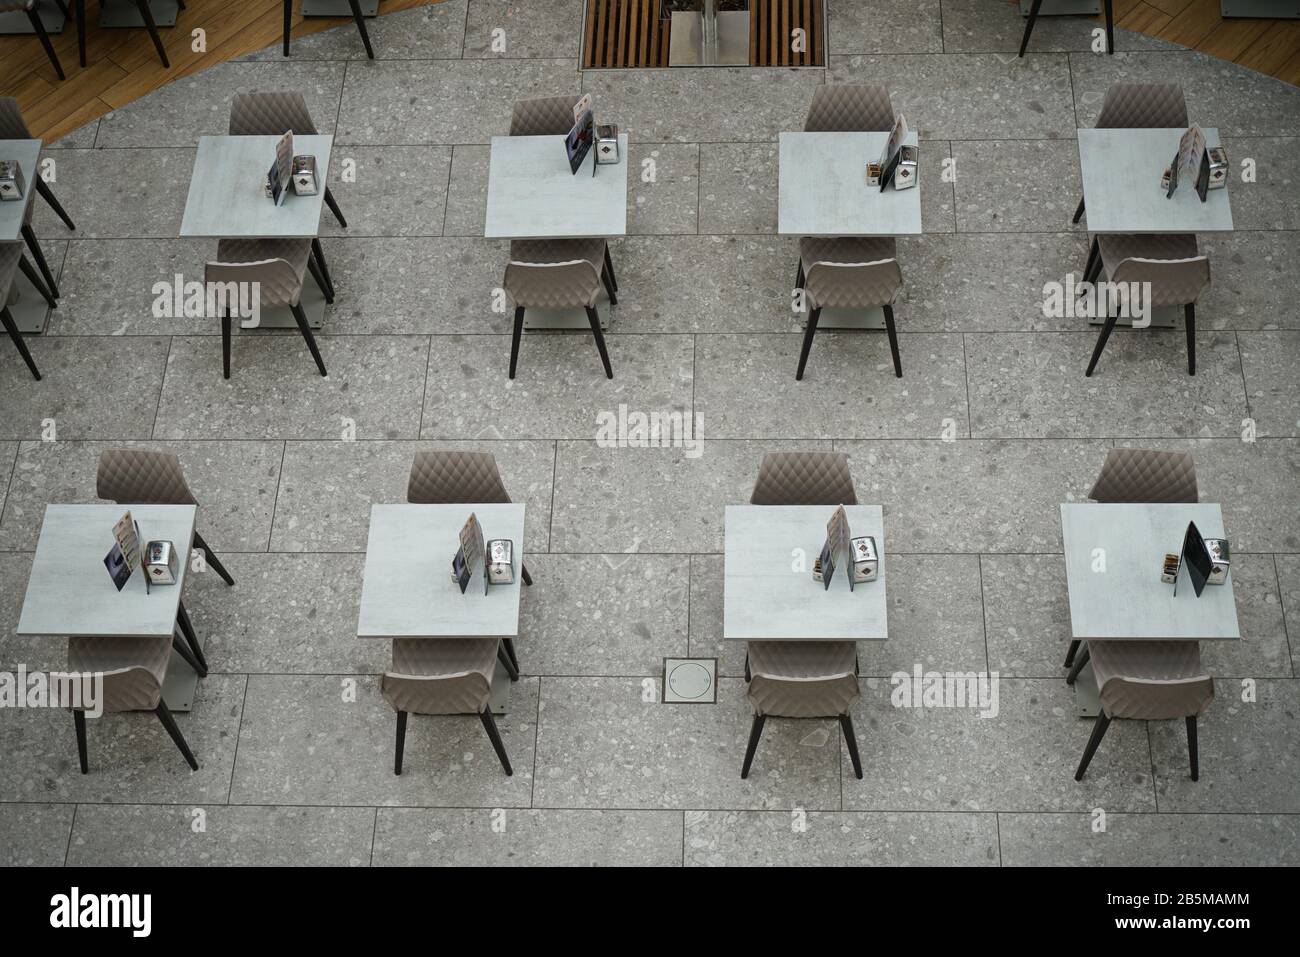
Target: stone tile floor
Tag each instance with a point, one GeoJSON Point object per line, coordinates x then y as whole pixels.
{"type": "Point", "coordinates": [624, 544]}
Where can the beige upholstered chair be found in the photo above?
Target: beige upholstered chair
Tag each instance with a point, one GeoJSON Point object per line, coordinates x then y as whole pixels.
{"type": "Point", "coordinates": [443, 676]}
{"type": "Point", "coordinates": [14, 127]}
{"type": "Point", "coordinates": [849, 108]}
{"type": "Point", "coordinates": [849, 273]}
{"type": "Point", "coordinates": [543, 116]}
{"type": "Point", "coordinates": [1148, 681]}
{"type": "Point", "coordinates": [133, 671]}
{"type": "Point", "coordinates": [29, 7]}
{"type": "Point", "coordinates": [560, 274]}
{"type": "Point", "coordinates": [1170, 266]}
{"type": "Point", "coordinates": [279, 268]}
{"type": "Point", "coordinates": [802, 679]}
{"type": "Point", "coordinates": [804, 478]}
{"type": "Point", "coordinates": [12, 259]}
{"type": "Point", "coordinates": [360, 20]}
{"type": "Point", "coordinates": [146, 477]}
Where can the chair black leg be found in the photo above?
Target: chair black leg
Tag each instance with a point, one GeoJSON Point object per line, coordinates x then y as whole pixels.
{"type": "Point", "coordinates": [39, 27]}
{"type": "Point", "coordinates": [147, 15]}
{"type": "Point", "coordinates": [1078, 213]}
{"type": "Point", "coordinates": [47, 194]}
{"type": "Point", "coordinates": [318, 251]}
{"type": "Point", "coordinates": [79, 719]}
{"type": "Point", "coordinates": [361, 25]}
{"type": "Point", "coordinates": [225, 345]}
{"type": "Point", "coordinates": [509, 645]}
{"type": "Point", "coordinates": [29, 235]}
{"type": "Point", "coordinates": [799, 276]}
{"type": "Point", "coordinates": [893, 340]}
{"type": "Point", "coordinates": [755, 732]}
{"type": "Point", "coordinates": [510, 665]}
{"type": "Point", "coordinates": [7, 320]}
{"type": "Point", "coordinates": [301, 318]}
{"type": "Point", "coordinates": [63, 8]}
{"type": "Point", "coordinates": [179, 646]}
{"type": "Point", "coordinates": [594, 318]}
{"type": "Point", "coordinates": [808, 334]}
{"type": "Point", "coordinates": [81, 30]}
{"type": "Point", "coordinates": [34, 278]}
{"type": "Point", "coordinates": [514, 338]}
{"type": "Point", "coordinates": [528, 579]}
{"type": "Point", "coordinates": [1191, 747]}
{"type": "Point", "coordinates": [748, 676]}
{"type": "Point", "coordinates": [1080, 660]}
{"type": "Point", "coordinates": [401, 715]}
{"type": "Point", "coordinates": [332, 203]}
{"type": "Point", "coordinates": [490, 726]}
{"type": "Point", "coordinates": [288, 19]}
{"type": "Point", "coordinates": [609, 287]}
{"type": "Point", "coordinates": [609, 267]}
{"type": "Point", "coordinates": [1110, 27]}
{"type": "Point", "coordinates": [168, 722]}
{"type": "Point", "coordinates": [321, 284]}
{"type": "Point", "coordinates": [1029, 26]}
{"type": "Point", "coordinates": [846, 725]}
{"type": "Point", "coordinates": [1094, 260]}
{"type": "Point", "coordinates": [1069, 655]}
{"type": "Point", "coordinates": [1106, 330]}
{"type": "Point", "coordinates": [187, 629]}
{"type": "Point", "coordinates": [1098, 732]}
{"type": "Point", "coordinates": [212, 559]}
{"type": "Point", "coordinates": [1189, 319]}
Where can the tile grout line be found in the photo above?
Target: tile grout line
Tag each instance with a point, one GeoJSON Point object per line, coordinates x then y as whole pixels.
{"type": "Point", "coordinates": [72, 826]}
{"type": "Point", "coordinates": [374, 831]}
{"type": "Point", "coordinates": [162, 388]}
{"type": "Point", "coordinates": [1286, 627]}
{"type": "Point", "coordinates": [234, 761]}
{"type": "Point", "coordinates": [275, 504]}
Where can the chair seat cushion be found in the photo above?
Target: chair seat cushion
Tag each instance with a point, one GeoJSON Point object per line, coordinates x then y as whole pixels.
{"type": "Point", "coordinates": [802, 659]}
{"type": "Point", "coordinates": [1116, 248]}
{"type": "Point", "coordinates": [558, 251]}
{"type": "Point", "coordinates": [432, 657]}
{"type": "Point", "coordinates": [846, 249]}
{"type": "Point", "coordinates": [142, 663]}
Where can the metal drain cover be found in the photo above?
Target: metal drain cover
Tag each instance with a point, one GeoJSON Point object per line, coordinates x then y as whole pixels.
{"type": "Point", "coordinates": [690, 680]}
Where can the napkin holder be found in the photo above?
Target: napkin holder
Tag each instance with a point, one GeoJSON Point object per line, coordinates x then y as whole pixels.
{"type": "Point", "coordinates": [12, 185]}
{"type": "Point", "coordinates": [160, 562]}
{"type": "Point", "coordinates": [906, 172]}
{"type": "Point", "coordinates": [607, 145]}
{"type": "Point", "coordinates": [1218, 157]}
{"type": "Point", "coordinates": [1219, 560]}
{"type": "Point", "coordinates": [304, 176]}
{"type": "Point", "coordinates": [500, 562]}
{"type": "Point", "coordinates": [866, 559]}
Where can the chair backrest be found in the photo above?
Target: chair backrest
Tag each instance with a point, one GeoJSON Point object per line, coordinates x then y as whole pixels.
{"type": "Point", "coordinates": [277, 281]}
{"type": "Point", "coordinates": [543, 116]}
{"type": "Point", "coordinates": [849, 107]}
{"type": "Point", "coordinates": [452, 477]}
{"type": "Point", "coordinates": [1129, 105]}
{"type": "Point", "coordinates": [553, 285]}
{"type": "Point", "coordinates": [12, 124]}
{"type": "Point", "coordinates": [1151, 680]}
{"type": "Point", "coordinates": [804, 478]}
{"type": "Point", "coordinates": [440, 676]}
{"type": "Point", "coordinates": [270, 114]}
{"type": "Point", "coordinates": [10, 254]}
{"type": "Point", "coordinates": [853, 285]}
{"type": "Point", "coordinates": [132, 669]}
{"type": "Point", "coordinates": [1146, 475]}
{"type": "Point", "coordinates": [142, 477]}
{"type": "Point", "coordinates": [1173, 282]}
{"type": "Point", "coordinates": [796, 679]}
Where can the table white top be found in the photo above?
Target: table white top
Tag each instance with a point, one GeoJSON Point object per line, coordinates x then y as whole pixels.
{"type": "Point", "coordinates": [228, 200]}
{"type": "Point", "coordinates": [533, 195]}
{"type": "Point", "coordinates": [70, 593]}
{"type": "Point", "coordinates": [1121, 184]}
{"type": "Point", "coordinates": [407, 591]}
{"type": "Point", "coordinates": [823, 188]}
{"type": "Point", "coordinates": [28, 154]}
{"type": "Point", "coordinates": [1128, 600]}
{"type": "Point", "coordinates": [765, 599]}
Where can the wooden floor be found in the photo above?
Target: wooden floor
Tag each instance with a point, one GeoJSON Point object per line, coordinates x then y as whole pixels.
{"type": "Point", "coordinates": [122, 66]}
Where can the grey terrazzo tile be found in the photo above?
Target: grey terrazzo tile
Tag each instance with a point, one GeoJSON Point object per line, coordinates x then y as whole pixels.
{"type": "Point", "coordinates": [603, 614]}
{"type": "Point", "coordinates": [1147, 840]}
{"type": "Point", "coordinates": [1249, 752]}
{"type": "Point", "coordinates": [36, 653]}
{"type": "Point", "coordinates": [884, 26]}
{"type": "Point", "coordinates": [467, 191]}
{"type": "Point", "coordinates": [1141, 386]}
{"type": "Point", "coordinates": [71, 392]}
{"type": "Point", "coordinates": [1002, 97]}
{"type": "Point", "coordinates": [973, 496]}
{"type": "Point", "coordinates": [1269, 361]}
{"type": "Point", "coordinates": [274, 390]}
{"type": "Point", "coordinates": [1263, 651]}
{"type": "Point", "coordinates": [82, 138]}
{"type": "Point", "coordinates": [1030, 186]}
{"type": "Point", "coordinates": [663, 188]}
{"type": "Point", "coordinates": [132, 760]}
{"type": "Point", "coordinates": [682, 106]}
{"type": "Point", "coordinates": [1022, 759]}
{"type": "Point", "coordinates": [327, 488]}
{"type": "Point", "coordinates": [234, 482]}
{"type": "Point", "coordinates": [301, 741]}
{"type": "Point", "coordinates": [833, 839]}
{"type": "Point", "coordinates": [428, 32]}
{"type": "Point", "coordinates": [706, 614]}
{"type": "Point", "coordinates": [529, 28]}
{"type": "Point", "coordinates": [998, 27]}
{"type": "Point", "coordinates": [938, 195]}
{"type": "Point", "coordinates": [738, 189]}
{"type": "Point", "coordinates": [1250, 274]}
{"type": "Point", "coordinates": [560, 389]}
{"type": "Point", "coordinates": [8, 453]}
{"type": "Point", "coordinates": [746, 386]}
{"type": "Point", "coordinates": [1288, 576]}
{"type": "Point", "coordinates": [149, 836]}
{"type": "Point", "coordinates": [451, 837]}
{"type": "Point", "coordinates": [1026, 614]}
{"type": "Point", "coordinates": [443, 101]}
{"type": "Point", "coordinates": [600, 745]}
{"type": "Point", "coordinates": [34, 835]}
{"type": "Point", "coordinates": [1273, 200]}
{"type": "Point", "coordinates": [291, 614]}
{"type": "Point", "coordinates": [391, 190]}
{"type": "Point", "coordinates": [120, 194]}
{"type": "Point", "coordinates": [653, 499]}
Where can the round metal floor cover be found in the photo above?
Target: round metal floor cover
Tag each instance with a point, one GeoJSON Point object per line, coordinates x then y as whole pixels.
{"type": "Point", "coordinates": [689, 680]}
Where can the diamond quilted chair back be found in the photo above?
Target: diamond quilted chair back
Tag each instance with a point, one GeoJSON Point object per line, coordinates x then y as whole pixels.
{"type": "Point", "coordinates": [543, 116]}
{"type": "Point", "coordinates": [802, 679]}
{"type": "Point", "coordinates": [142, 477]}
{"type": "Point", "coordinates": [1146, 475]}
{"type": "Point", "coordinates": [804, 478]}
{"type": "Point", "coordinates": [12, 124]}
{"type": "Point", "coordinates": [1151, 680]}
{"type": "Point", "coordinates": [446, 676]}
{"type": "Point", "coordinates": [1142, 105]}
{"type": "Point", "coordinates": [270, 114]}
{"type": "Point", "coordinates": [849, 108]}
{"type": "Point", "coordinates": [453, 477]}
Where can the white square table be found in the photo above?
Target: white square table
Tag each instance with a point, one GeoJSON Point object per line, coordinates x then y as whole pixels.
{"type": "Point", "coordinates": [30, 309]}
{"type": "Point", "coordinates": [407, 590]}
{"type": "Point", "coordinates": [227, 200]}
{"type": "Point", "coordinates": [70, 593]}
{"type": "Point", "coordinates": [765, 599]}
{"type": "Point", "coordinates": [823, 191]}
{"type": "Point", "coordinates": [533, 195]}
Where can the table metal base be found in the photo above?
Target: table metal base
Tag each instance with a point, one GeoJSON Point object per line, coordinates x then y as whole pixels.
{"type": "Point", "coordinates": [1162, 317]}
{"type": "Point", "coordinates": [29, 311]}
{"type": "Point", "coordinates": [499, 703]}
{"type": "Point", "coordinates": [181, 684]}
{"type": "Point", "coordinates": [124, 13]}
{"type": "Point", "coordinates": [688, 46]}
{"type": "Point", "coordinates": [17, 23]}
{"type": "Point", "coordinates": [1062, 8]}
{"type": "Point", "coordinates": [338, 8]}
{"type": "Point", "coordinates": [566, 320]}
{"type": "Point", "coordinates": [1271, 9]}
{"type": "Point", "coordinates": [281, 317]}
{"type": "Point", "coordinates": [1086, 701]}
